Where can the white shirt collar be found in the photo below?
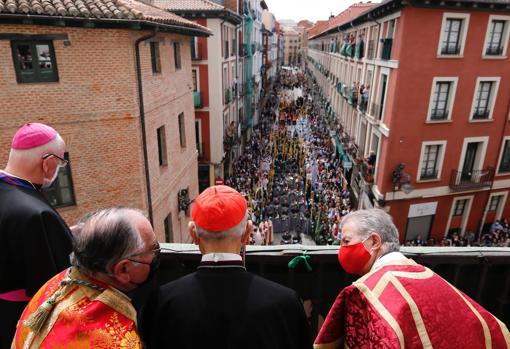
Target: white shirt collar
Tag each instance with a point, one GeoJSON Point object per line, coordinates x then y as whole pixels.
{"type": "Point", "coordinates": [221, 257]}
{"type": "Point", "coordinates": [387, 258]}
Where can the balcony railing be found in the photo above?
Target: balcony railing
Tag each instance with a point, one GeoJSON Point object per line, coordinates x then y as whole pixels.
{"type": "Point", "coordinates": [197, 97]}
{"type": "Point", "coordinates": [367, 171]}
{"type": "Point", "coordinates": [438, 114]}
{"type": "Point", "coordinates": [450, 49]}
{"type": "Point", "coordinates": [481, 114]}
{"type": "Point", "coordinates": [463, 180]}
{"type": "Point", "coordinates": [386, 49]}
{"type": "Point", "coordinates": [472, 270]}
{"type": "Point", "coordinates": [494, 51]}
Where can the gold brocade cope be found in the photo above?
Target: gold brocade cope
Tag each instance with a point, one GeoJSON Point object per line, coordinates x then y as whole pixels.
{"type": "Point", "coordinates": [84, 317]}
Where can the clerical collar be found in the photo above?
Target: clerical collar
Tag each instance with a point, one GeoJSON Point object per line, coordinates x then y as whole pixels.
{"type": "Point", "coordinates": [16, 181]}
{"type": "Point", "coordinates": [388, 258]}
{"type": "Point", "coordinates": [221, 257]}
{"type": "Point", "coordinates": [221, 260]}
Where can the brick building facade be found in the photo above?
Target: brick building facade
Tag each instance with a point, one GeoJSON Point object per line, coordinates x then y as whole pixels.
{"type": "Point", "coordinates": [79, 75]}
{"type": "Point", "coordinates": [425, 86]}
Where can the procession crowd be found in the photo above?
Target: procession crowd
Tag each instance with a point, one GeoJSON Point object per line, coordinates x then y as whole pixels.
{"type": "Point", "coordinates": [289, 170]}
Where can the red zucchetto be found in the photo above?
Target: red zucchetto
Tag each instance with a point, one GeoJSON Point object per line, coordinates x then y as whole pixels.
{"type": "Point", "coordinates": [218, 208]}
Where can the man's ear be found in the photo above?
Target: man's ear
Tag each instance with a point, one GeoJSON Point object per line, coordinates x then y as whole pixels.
{"type": "Point", "coordinates": [245, 239]}
{"type": "Point", "coordinates": [192, 229]}
{"type": "Point", "coordinates": [121, 271]}
{"type": "Point", "coordinates": [46, 165]}
{"type": "Point", "coordinates": [376, 242]}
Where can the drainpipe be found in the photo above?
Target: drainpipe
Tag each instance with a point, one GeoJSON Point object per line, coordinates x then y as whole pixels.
{"type": "Point", "coordinates": [237, 79]}
{"type": "Point", "coordinates": [486, 208]}
{"type": "Point", "coordinates": [142, 119]}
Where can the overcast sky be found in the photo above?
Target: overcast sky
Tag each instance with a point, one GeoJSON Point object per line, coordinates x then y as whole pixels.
{"type": "Point", "coordinates": [312, 10]}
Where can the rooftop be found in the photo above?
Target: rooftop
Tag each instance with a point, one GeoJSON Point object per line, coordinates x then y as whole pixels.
{"type": "Point", "coordinates": [343, 17]}
{"type": "Point", "coordinates": [189, 5]}
{"type": "Point", "coordinates": [112, 11]}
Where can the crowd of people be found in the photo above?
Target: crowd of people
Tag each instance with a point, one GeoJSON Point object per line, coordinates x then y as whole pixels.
{"type": "Point", "coordinates": [498, 235]}
{"type": "Point", "coordinates": [289, 171]}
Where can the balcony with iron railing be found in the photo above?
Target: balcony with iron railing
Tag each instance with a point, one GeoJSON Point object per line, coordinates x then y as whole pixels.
{"type": "Point", "coordinates": [197, 98]}
{"type": "Point", "coordinates": [494, 50]}
{"type": "Point", "coordinates": [481, 113]}
{"type": "Point", "coordinates": [366, 170]}
{"type": "Point", "coordinates": [450, 49]}
{"type": "Point", "coordinates": [481, 273]}
{"type": "Point", "coordinates": [439, 114]}
{"type": "Point", "coordinates": [472, 180]}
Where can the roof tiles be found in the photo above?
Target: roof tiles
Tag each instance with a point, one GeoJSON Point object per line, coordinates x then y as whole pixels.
{"type": "Point", "coordinates": [343, 17]}
{"type": "Point", "coordinates": [94, 9]}
{"type": "Point", "coordinates": [189, 5]}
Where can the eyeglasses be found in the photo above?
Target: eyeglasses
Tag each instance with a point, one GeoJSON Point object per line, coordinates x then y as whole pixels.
{"type": "Point", "coordinates": [156, 251]}
{"type": "Point", "coordinates": [61, 162]}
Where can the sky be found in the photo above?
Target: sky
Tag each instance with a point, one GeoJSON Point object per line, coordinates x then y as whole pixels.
{"type": "Point", "coordinates": [312, 10]}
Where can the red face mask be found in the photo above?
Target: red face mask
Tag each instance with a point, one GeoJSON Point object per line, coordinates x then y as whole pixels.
{"type": "Point", "coordinates": [353, 257]}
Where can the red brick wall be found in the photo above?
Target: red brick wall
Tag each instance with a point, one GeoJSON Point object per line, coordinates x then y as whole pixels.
{"type": "Point", "coordinates": [95, 108]}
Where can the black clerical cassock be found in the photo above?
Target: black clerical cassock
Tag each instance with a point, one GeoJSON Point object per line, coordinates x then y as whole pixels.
{"type": "Point", "coordinates": [35, 244]}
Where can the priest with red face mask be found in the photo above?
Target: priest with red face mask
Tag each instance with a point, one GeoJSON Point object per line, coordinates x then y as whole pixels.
{"type": "Point", "coordinates": [397, 303]}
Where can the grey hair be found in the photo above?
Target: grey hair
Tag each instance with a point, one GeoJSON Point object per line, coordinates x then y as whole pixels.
{"type": "Point", "coordinates": [105, 237]}
{"type": "Point", "coordinates": [376, 221]}
{"type": "Point", "coordinates": [234, 232]}
{"type": "Point", "coordinates": [55, 146]}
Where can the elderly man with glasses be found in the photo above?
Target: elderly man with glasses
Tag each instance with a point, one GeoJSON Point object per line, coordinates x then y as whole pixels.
{"type": "Point", "coordinates": [35, 241]}
{"type": "Point", "coordinates": [88, 305]}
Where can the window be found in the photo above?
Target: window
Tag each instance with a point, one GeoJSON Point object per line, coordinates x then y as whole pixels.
{"type": "Point", "coordinates": [169, 234]}
{"type": "Point", "coordinates": [482, 101]}
{"type": "Point", "coordinates": [182, 130]}
{"type": "Point", "coordinates": [163, 160]}
{"type": "Point", "coordinates": [496, 34]}
{"type": "Point", "coordinates": [177, 55]}
{"type": "Point", "coordinates": [194, 78]}
{"type": "Point", "coordinates": [155, 58]}
{"type": "Point", "coordinates": [504, 164]}
{"type": "Point", "coordinates": [453, 34]}
{"type": "Point", "coordinates": [460, 206]}
{"type": "Point", "coordinates": [451, 39]}
{"type": "Point", "coordinates": [61, 192]}
{"type": "Point", "coordinates": [198, 137]}
{"type": "Point", "coordinates": [194, 49]}
{"type": "Point", "coordinates": [442, 97]}
{"type": "Point", "coordinates": [34, 61]}
{"type": "Point", "coordinates": [225, 44]}
{"type": "Point", "coordinates": [430, 161]}
{"type": "Point", "coordinates": [494, 203]}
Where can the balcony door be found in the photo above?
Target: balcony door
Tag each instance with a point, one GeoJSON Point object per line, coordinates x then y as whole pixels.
{"type": "Point", "coordinates": [470, 160]}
